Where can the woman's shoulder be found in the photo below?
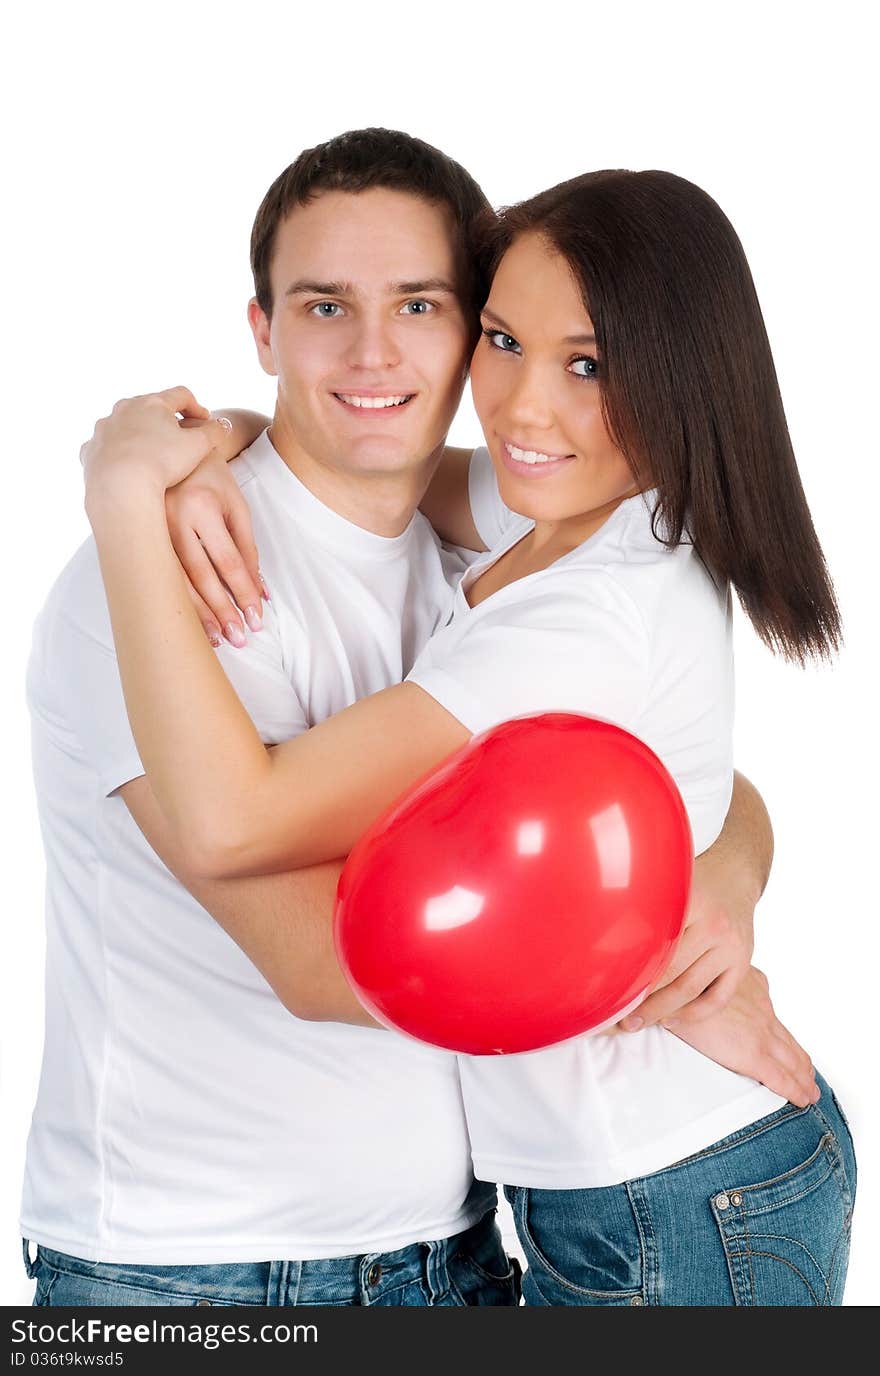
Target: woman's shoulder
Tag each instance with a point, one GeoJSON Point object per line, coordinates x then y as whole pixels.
{"type": "Point", "coordinates": [634, 574]}
{"type": "Point", "coordinates": [639, 553]}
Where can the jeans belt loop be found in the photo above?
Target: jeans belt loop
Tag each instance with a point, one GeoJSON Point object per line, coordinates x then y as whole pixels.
{"type": "Point", "coordinates": [30, 1266]}
{"type": "Point", "coordinates": [437, 1269]}
{"type": "Point", "coordinates": [288, 1283]}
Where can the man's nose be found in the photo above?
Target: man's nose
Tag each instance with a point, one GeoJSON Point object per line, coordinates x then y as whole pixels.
{"type": "Point", "coordinates": [374, 345]}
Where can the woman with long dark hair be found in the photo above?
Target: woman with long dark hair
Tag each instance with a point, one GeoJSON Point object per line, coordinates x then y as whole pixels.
{"type": "Point", "coordinates": [637, 466]}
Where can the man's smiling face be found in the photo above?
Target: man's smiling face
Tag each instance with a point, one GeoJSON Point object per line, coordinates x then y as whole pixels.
{"type": "Point", "coordinates": [367, 337]}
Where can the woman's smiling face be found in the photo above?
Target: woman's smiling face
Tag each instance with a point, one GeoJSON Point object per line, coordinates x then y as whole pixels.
{"type": "Point", "coordinates": [537, 387]}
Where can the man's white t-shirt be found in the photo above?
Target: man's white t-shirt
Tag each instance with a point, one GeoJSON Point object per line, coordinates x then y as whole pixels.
{"type": "Point", "coordinates": [183, 1115]}
{"type": "Point", "coordinates": [627, 630]}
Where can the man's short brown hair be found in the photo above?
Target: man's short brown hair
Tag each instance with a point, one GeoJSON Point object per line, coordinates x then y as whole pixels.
{"type": "Point", "coordinates": [365, 158]}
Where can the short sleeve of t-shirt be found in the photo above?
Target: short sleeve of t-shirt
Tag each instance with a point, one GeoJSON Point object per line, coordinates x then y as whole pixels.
{"type": "Point", "coordinates": [554, 650]}
{"type": "Point", "coordinates": [492, 518]}
{"type": "Point", "coordinates": [75, 677]}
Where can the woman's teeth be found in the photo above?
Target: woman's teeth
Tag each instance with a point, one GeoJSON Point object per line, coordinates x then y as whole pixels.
{"type": "Point", "coordinates": [373, 403]}
{"type": "Point", "coordinates": [530, 455]}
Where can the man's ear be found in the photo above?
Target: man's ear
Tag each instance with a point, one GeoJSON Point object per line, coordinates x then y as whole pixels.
{"type": "Point", "coordinates": [260, 325]}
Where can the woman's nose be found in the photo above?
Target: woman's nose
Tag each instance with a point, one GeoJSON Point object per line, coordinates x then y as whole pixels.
{"type": "Point", "coordinates": [528, 404]}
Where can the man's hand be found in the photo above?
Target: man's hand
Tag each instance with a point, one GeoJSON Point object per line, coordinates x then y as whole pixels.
{"type": "Point", "coordinates": [710, 960]}
{"type": "Point", "coordinates": [716, 946]}
{"type": "Point", "coordinates": [152, 441]}
{"type": "Point", "coordinates": [210, 526]}
{"type": "Point", "coordinates": [747, 1037]}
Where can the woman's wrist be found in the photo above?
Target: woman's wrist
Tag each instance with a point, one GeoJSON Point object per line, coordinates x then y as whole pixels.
{"type": "Point", "coordinates": [145, 446]}
{"type": "Point", "coordinates": [125, 496]}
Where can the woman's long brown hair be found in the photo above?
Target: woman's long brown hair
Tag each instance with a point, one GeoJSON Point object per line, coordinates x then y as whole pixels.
{"type": "Point", "coordinates": [689, 386]}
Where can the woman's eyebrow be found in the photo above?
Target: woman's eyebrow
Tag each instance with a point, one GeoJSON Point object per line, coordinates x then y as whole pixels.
{"type": "Point", "coordinates": [569, 339]}
{"type": "Point", "coordinates": [496, 320]}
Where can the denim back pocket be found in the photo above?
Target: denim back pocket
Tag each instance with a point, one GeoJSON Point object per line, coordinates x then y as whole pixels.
{"type": "Point", "coordinates": [787, 1239]}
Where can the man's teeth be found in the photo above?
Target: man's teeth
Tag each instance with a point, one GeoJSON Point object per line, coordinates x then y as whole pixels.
{"type": "Point", "coordinates": [530, 455]}
{"type": "Point", "coordinates": [372, 403]}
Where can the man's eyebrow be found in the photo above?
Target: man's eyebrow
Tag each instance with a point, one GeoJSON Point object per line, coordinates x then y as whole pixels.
{"type": "Point", "coordinates": [306, 287]}
{"type": "Point", "coordinates": [569, 339]}
{"type": "Point", "coordinates": [424, 284]}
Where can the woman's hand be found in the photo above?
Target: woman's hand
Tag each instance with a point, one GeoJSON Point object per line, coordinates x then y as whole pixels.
{"type": "Point", "coordinates": [747, 1037]}
{"type": "Point", "coordinates": [149, 442]}
{"type": "Point", "coordinates": [210, 526]}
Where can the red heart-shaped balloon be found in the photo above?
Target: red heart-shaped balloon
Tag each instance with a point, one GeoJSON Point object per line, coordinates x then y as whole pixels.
{"type": "Point", "coordinates": [529, 889]}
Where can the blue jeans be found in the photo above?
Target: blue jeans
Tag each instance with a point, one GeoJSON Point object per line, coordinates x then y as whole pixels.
{"type": "Point", "coordinates": [470, 1268]}
{"type": "Point", "coordinates": [760, 1218]}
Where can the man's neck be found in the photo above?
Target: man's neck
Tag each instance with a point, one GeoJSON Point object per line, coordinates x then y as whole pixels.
{"type": "Point", "coordinates": [382, 503]}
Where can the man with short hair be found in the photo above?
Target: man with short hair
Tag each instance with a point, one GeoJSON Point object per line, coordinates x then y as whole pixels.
{"type": "Point", "coordinates": [194, 1143]}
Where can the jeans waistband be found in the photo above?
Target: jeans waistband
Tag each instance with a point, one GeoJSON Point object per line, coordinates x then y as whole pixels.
{"type": "Point", "coordinates": [370, 1277]}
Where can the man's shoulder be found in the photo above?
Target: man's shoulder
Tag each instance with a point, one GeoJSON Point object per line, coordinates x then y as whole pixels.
{"type": "Point", "coordinates": [77, 596]}
{"type": "Point", "coordinates": [244, 470]}
{"type": "Point", "coordinates": [255, 470]}
{"type": "Point", "coordinates": [433, 558]}
{"type": "Point", "coordinates": [72, 673]}
{"type": "Point", "coordinates": [72, 644]}
{"type": "Point", "coordinates": [251, 464]}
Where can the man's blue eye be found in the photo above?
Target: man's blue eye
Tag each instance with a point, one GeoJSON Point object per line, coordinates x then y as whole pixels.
{"type": "Point", "coordinates": [417, 308]}
{"type": "Point", "coordinates": [326, 309]}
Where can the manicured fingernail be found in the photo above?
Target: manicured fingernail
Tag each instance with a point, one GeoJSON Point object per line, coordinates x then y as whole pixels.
{"type": "Point", "coordinates": [633, 1024]}
{"type": "Point", "coordinates": [253, 618]}
{"type": "Point", "coordinates": [234, 634]}
{"type": "Point", "coordinates": [264, 589]}
{"type": "Point", "coordinates": [226, 423]}
{"type": "Point", "coordinates": [214, 636]}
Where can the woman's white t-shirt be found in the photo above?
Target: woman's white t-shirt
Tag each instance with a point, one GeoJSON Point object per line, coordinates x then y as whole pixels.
{"type": "Point", "coordinates": [624, 629]}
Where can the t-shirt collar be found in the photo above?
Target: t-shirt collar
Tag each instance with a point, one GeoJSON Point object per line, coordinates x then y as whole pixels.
{"type": "Point", "coordinates": [325, 524]}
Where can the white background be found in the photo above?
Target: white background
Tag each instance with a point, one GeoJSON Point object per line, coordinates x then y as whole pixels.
{"type": "Point", "coordinates": [141, 140]}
